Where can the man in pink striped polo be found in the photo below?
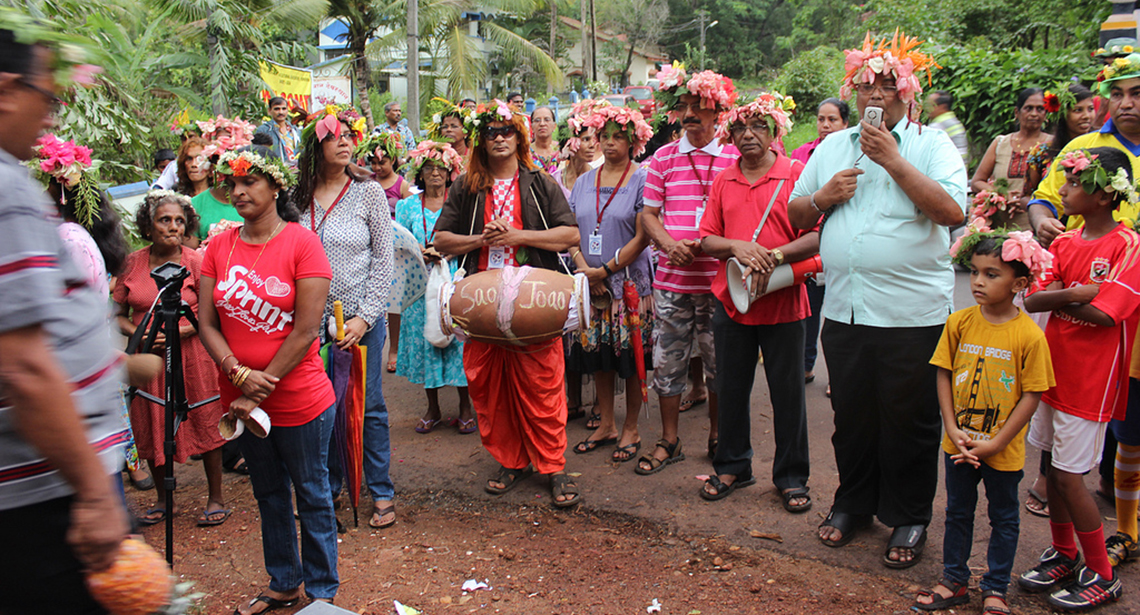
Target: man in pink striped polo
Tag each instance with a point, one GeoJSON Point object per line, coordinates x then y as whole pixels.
{"type": "Point", "coordinates": [676, 192]}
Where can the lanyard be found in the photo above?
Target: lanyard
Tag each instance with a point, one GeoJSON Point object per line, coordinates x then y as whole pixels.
{"type": "Point", "coordinates": [700, 180]}
{"type": "Point", "coordinates": [498, 209]}
{"type": "Point", "coordinates": [598, 209]}
{"type": "Point", "coordinates": [312, 210]}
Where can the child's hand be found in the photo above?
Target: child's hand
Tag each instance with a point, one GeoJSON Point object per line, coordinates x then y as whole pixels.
{"type": "Point", "coordinates": [1084, 294]}
{"type": "Point", "coordinates": [964, 444]}
{"type": "Point", "coordinates": [983, 450]}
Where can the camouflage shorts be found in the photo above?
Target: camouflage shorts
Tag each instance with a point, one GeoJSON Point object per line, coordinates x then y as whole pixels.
{"type": "Point", "coordinates": [684, 325]}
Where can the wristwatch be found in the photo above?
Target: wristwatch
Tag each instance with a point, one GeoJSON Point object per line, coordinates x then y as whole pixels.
{"type": "Point", "coordinates": [779, 255]}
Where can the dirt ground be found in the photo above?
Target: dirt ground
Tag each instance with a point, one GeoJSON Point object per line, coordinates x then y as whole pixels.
{"type": "Point", "coordinates": [633, 540]}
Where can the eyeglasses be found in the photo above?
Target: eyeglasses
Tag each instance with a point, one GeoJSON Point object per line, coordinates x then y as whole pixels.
{"type": "Point", "coordinates": [869, 88]}
{"type": "Point", "coordinates": [54, 102]}
{"type": "Point", "coordinates": [433, 168]}
{"type": "Point", "coordinates": [682, 107]}
{"type": "Point", "coordinates": [758, 129]}
{"type": "Point", "coordinates": [494, 132]}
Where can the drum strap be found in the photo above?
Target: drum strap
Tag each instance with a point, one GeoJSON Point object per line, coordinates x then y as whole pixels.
{"type": "Point", "coordinates": [471, 231]}
{"type": "Point", "coordinates": [775, 195]}
{"type": "Point", "coordinates": [547, 226]}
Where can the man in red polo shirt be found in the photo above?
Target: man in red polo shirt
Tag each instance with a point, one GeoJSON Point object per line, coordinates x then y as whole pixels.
{"type": "Point", "coordinates": [747, 218]}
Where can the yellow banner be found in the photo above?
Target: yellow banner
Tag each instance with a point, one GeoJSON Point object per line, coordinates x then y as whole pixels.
{"type": "Point", "coordinates": [291, 83]}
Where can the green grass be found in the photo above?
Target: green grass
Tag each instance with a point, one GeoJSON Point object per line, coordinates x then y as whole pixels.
{"type": "Point", "coordinates": [801, 133]}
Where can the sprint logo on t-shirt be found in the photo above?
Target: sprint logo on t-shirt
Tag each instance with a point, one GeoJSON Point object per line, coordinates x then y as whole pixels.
{"type": "Point", "coordinates": [247, 298]}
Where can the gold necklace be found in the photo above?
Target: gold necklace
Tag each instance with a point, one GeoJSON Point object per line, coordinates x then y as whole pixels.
{"type": "Point", "coordinates": [250, 270]}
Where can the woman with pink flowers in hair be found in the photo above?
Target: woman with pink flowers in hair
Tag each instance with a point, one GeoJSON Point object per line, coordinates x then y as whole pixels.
{"type": "Point", "coordinates": [580, 153]}
{"type": "Point", "coordinates": [213, 204]}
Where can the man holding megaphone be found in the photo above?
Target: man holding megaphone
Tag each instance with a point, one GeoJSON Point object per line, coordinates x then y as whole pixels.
{"type": "Point", "coordinates": [746, 226]}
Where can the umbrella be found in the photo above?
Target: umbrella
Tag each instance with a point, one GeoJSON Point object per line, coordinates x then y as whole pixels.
{"type": "Point", "coordinates": [347, 371]}
{"type": "Point", "coordinates": [633, 320]}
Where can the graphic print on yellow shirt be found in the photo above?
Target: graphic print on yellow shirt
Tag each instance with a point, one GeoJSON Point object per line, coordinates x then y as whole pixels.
{"type": "Point", "coordinates": [990, 367]}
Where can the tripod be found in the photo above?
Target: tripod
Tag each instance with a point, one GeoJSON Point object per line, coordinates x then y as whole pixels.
{"type": "Point", "coordinates": [170, 310]}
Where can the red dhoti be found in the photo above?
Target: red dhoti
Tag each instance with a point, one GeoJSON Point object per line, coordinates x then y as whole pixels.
{"type": "Point", "coordinates": [520, 400]}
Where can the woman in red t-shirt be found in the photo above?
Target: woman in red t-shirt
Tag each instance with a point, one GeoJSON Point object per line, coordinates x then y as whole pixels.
{"type": "Point", "coordinates": [268, 281]}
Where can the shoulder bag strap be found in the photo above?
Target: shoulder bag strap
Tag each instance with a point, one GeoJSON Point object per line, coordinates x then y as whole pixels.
{"type": "Point", "coordinates": [775, 195]}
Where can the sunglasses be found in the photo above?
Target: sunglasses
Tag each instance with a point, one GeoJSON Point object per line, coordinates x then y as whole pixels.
{"type": "Point", "coordinates": [494, 132]}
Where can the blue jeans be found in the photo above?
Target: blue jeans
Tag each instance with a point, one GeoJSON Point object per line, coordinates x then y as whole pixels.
{"type": "Point", "coordinates": [377, 444]}
{"type": "Point", "coordinates": [1005, 522]}
{"type": "Point", "coordinates": [295, 455]}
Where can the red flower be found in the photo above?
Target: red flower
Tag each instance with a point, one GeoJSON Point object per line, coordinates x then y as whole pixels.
{"type": "Point", "coordinates": [240, 167]}
{"type": "Point", "coordinates": [1052, 103]}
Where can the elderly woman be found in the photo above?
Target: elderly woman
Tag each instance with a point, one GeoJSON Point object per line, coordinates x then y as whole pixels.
{"type": "Point", "coordinates": [747, 219]}
{"type": "Point", "coordinates": [267, 282]}
{"type": "Point", "coordinates": [434, 166]}
{"type": "Point", "coordinates": [449, 126]}
{"type": "Point", "coordinates": [162, 219]}
{"type": "Point", "coordinates": [351, 218]}
{"type": "Point", "coordinates": [543, 147]}
{"type": "Point", "coordinates": [606, 202]}
{"type": "Point", "coordinates": [1008, 155]}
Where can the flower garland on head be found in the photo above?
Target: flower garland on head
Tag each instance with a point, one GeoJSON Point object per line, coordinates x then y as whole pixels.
{"type": "Point", "coordinates": [389, 142]}
{"type": "Point", "coordinates": [70, 165]}
{"type": "Point", "coordinates": [611, 117]}
{"type": "Point", "coordinates": [70, 54]}
{"type": "Point", "coordinates": [714, 89]}
{"type": "Point", "coordinates": [1015, 246]}
{"type": "Point", "coordinates": [775, 108]}
{"type": "Point", "coordinates": [484, 114]}
{"type": "Point", "coordinates": [439, 154]}
{"type": "Point", "coordinates": [1059, 101]}
{"type": "Point", "coordinates": [583, 115]}
{"type": "Point", "coordinates": [900, 59]}
{"type": "Point", "coordinates": [1126, 67]}
{"type": "Point", "coordinates": [224, 134]}
{"type": "Point", "coordinates": [241, 164]}
{"type": "Point", "coordinates": [325, 122]}
{"type": "Point", "coordinates": [451, 110]}
{"type": "Point", "coordinates": [1093, 176]}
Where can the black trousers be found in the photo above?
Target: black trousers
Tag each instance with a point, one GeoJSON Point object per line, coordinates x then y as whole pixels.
{"type": "Point", "coordinates": [888, 428]}
{"type": "Point", "coordinates": [39, 574]}
{"type": "Point", "coordinates": [736, 353]}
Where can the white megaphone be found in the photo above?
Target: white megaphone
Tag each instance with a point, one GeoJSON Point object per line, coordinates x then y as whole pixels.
{"type": "Point", "coordinates": [740, 285]}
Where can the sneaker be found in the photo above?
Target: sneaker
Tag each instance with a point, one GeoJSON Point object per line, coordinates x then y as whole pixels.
{"type": "Point", "coordinates": [1121, 548]}
{"type": "Point", "coordinates": [1088, 591]}
{"type": "Point", "coordinates": [1052, 569]}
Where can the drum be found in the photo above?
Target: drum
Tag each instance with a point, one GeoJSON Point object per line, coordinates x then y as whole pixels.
{"type": "Point", "coordinates": [788, 274]}
{"type": "Point", "coordinates": [515, 306]}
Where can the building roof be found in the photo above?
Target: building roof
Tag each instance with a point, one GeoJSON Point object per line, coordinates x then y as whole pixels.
{"type": "Point", "coordinates": [610, 36]}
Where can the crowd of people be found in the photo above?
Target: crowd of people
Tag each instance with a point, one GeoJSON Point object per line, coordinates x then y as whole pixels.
{"type": "Point", "coordinates": [692, 237]}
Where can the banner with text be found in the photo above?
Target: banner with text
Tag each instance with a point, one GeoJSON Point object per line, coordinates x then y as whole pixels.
{"type": "Point", "coordinates": [289, 82]}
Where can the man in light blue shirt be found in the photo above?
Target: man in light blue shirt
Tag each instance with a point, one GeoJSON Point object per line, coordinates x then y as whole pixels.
{"type": "Point", "coordinates": [884, 244]}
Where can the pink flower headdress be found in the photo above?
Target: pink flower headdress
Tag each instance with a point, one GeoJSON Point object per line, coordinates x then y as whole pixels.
{"type": "Point", "coordinates": [631, 121]}
{"type": "Point", "coordinates": [715, 90]}
{"type": "Point", "coordinates": [486, 113]}
{"type": "Point", "coordinates": [583, 115]}
{"type": "Point", "coordinates": [900, 59]}
{"type": "Point", "coordinates": [70, 165]}
{"type": "Point", "coordinates": [773, 106]}
{"type": "Point", "coordinates": [1016, 246]}
{"type": "Point", "coordinates": [439, 154]}
{"type": "Point", "coordinates": [224, 135]}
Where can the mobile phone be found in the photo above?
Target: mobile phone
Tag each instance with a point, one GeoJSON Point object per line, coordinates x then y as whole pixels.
{"type": "Point", "coordinates": [873, 116]}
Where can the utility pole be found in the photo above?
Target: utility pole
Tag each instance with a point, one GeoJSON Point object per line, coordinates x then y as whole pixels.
{"type": "Point", "coordinates": [553, 28]}
{"type": "Point", "coordinates": [413, 110]}
{"type": "Point", "coordinates": [593, 43]}
{"type": "Point", "coordinates": [584, 7]}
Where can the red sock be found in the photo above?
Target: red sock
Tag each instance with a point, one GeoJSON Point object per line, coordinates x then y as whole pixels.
{"type": "Point", "coordinates": [1096, 556]}
{"type": "Point", "coordinates": [1064, 542]}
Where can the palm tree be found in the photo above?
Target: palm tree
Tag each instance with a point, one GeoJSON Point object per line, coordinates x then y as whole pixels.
{"type": "Point", "coordinates": [362, 18]}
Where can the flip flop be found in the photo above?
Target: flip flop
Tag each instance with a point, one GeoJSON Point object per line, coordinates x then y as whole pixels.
{"type": "Point", "coordinates": [689, 404]}
{"type": "Point", "coordinates": [391, 367]}
{"type": "Point", "coordinates": [593, 421]}
{"type": "Point", "coordinates": [157, 510]}
{"type": "Point", "coordinates": [206, 521]}
{"type": "Point", "coordinates": [588, 445]}
{"type": "Point", "coordinates": [510, 479]}
{"type": "Point", "coordinates": [625, 453]}
{"type": "Point", "coordinates": [271, 604]}
{"type": "Point", "coordinates": [1036, 504]}
{"type": "Point", "coordinates": [381, 512]}
{"type": "Point", "coordinates": [427, 426]}
{"type": "Point", "coordinates": [468, 426]}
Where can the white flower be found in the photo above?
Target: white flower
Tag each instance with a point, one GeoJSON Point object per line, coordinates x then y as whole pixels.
{"type": "Point", "coordinates": [876, 64]}
{"type": "Point", "coordinates": [435, 119]}
{"type": "Point", "coordinates": [1120, 181]}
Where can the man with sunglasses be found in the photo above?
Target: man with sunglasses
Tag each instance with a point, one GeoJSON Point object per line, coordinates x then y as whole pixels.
{"type": "Point", "coordinates": [677, 191]}
{"type": "Point", "coordinates": [61, 431]}
{"type": "Point", "coordinates": [888, 195]}
{"type": "Point", "coordinates": [506, 212]}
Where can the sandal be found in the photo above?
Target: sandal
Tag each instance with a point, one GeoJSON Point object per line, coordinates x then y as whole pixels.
{"type": "Point", "coordinates": [1037, 504]}
{"type": "Point", "coordinates": [848, 526]}
{"type": "Point", "coordinates": [427, 426]}
{"type": "Point", "coordinates": [146, 519]}
{"type": "Point", "coordinates": [468, 426]}
{"type": "Point", "coordinates": [623, 454]}
{"type": "Point", "coordinates": [588, 445]}
{"type": "Point", "coordinates": [391, 367]}
{"type": "Point", "coordinates": [594, 421]}
{"type": "Point", "coordinates": [563, 484]}
{"type": "Point", "coordinates": [510, 479]}
{"type": "Point", "coordinates": [911, 537]}
{"type": "Point", "coordinates": [673, 452]}
{"type": "Point", "coordinates": [271, 604]}
{"type": "Point", "coordinates": [995, 609]}
{"type": "Point", "coordinates": [378, 515]}
{"type": "Point", "coordinates": [207, 520]}
{"type": "Point", "coordinates": [959, 594]}
{"type": "Point", "coordinates": [794, 494]}
{"type": "Point", "coordinates": [721, 490]}
{"type": "Point", "coordinates": [689, 404]}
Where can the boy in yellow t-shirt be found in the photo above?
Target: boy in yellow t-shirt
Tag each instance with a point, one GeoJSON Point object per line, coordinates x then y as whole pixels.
{"type": "Point", "coordinates": [993, 366]}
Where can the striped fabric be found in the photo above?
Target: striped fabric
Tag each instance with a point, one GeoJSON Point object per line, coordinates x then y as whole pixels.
{"type": "Point", "coordinates": [40, 285]}
{"type": "Point", "coordinates": [679, 179]}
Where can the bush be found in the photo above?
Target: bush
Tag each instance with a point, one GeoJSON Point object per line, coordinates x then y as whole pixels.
{"type": "Point", "coordinates": [810, 78]}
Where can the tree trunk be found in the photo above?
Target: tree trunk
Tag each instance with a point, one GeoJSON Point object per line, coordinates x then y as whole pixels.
{"type": "Point", "coordinates": [585, 11]}
{"type": "Point", "coordinates": [217, 88]}
{"type": "Point", "coordinates": [628, 63]}
{"type": "Point", "coordinates": [553, 28]}
{"type": "Point", "coordinates": [413, 108]}
{"type": "Point", "coordinates": [360, 74]}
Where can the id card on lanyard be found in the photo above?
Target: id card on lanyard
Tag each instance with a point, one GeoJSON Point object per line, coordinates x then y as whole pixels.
{"type": "Point", "coordinates": [704, 190]}
{"type": "Point", "coordinates": [497, 256]}
{"type": "Point", "coordinates": [594, 245]}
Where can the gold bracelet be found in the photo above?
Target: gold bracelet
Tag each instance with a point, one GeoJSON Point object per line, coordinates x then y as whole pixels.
{"type": "Point", "coordinates": [244, 376]}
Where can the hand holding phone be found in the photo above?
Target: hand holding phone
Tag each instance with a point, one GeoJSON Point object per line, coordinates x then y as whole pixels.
{"type": "Point", "coordinates": [873, 116]}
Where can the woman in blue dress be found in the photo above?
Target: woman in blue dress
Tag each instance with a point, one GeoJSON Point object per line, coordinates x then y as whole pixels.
{"type": "Point", "coordinates": [433, 166]}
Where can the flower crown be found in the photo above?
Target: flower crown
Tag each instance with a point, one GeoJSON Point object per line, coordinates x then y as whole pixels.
{"type": "Point", "coordinates": [241, 164]}
{"type": "Point", "coordinates": [1126, 67]}
{"type": "Point", "coordinates": [327, 122]}
{"type": "Point", "coordinates": [494, 111]}
{"type": "Point", "coordinates": [451, 110]}
{"type": "Point", "coordinates": [389, 142]}
{"type": "Point", "coordinates": [224, 135]}
{"type": "Point", "coordinates": [433, 152]}
{"type": "Point", "coordinates": [1015, 246]}
{"type": "Point", "coordinates": [774, 107]}
{"type": "Point", "coordinates": [987, 203]}
{"type": "Point", "coordinates": [156, 196]}
{"type": "Point", "coordinates": [71, 165]}
{"type": "Point", "coordinates": [1059, 100]}
{"type": "Point", "coordinates": [637, 130]}
{"type": "Point", "coordinates": [900, 58]}
{"type": "Point", "coordinates": [1093, 176]}
{"type": "Point", "coordinates": [714, 90]}
{"type": "Point", "coordinates": [70, 53]}
{"type": "Point", "coordinates": [583, 115]}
